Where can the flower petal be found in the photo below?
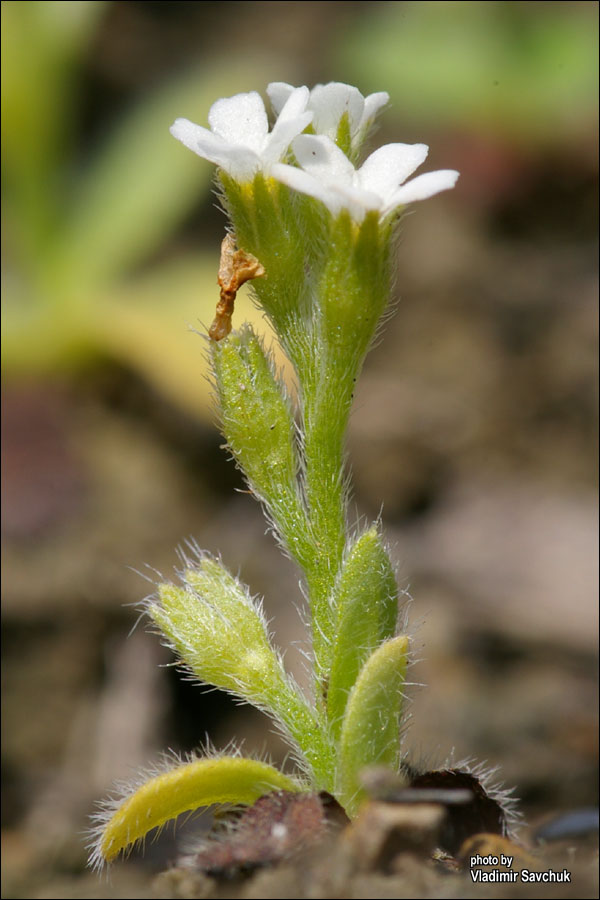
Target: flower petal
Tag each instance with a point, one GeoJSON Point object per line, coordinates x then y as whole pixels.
{"type": "Point", "coordinates": [330, 102]}
{"type": "Point", "coordinates": [284, 132]}
{"type": "Point", "coordinates": [301, 181]}
{"type": "Point", "coordinates": [373, 104]}
{"type": "Point", "coordinates": [357, 201]}
{"type": "Point", "coordinates": [241, 120]}
{"type": "Point", "coordinates": [319, 156]}
{"type": "Point", "coordinates": [295, 105]}
{"type": "Point", "coordinates": [278, 92]}
{"type": "Point", "coordinates": [389, 166]}
{"type": "Point", "coordinates": [292, 120]}
{"type": "Point", "coordinates": [240, 162]}
{"type": "Point", "coordinates": [422, 187]}
{"type": "Point", "coordinates": [201, 141]}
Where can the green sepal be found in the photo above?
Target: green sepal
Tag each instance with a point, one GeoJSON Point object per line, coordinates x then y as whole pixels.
{"type": "Point", "coordinates": [370, 730]}
{"type": "Point", "coordinates": [355, 285]}
{"type": "Point", "coordinates": [203, 782]}
{"type": "Point", "coordinates": [263, 215]}
{"type": "Point", "coordinates": [366, 601]}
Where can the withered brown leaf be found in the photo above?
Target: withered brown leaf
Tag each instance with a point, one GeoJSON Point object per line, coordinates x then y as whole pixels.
{"type": "Point", "coordinates": [236, 267]}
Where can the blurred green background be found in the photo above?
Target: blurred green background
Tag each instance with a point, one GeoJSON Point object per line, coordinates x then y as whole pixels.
{"type": "Point", "coordinates": [474, 422]}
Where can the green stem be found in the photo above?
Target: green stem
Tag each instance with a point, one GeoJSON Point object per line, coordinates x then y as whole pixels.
{"type": "Point", "coordinates": [325, 412]}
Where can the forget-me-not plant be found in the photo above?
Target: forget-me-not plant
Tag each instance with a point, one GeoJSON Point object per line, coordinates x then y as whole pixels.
{"type": "Point", "coordinates": [314, 234]}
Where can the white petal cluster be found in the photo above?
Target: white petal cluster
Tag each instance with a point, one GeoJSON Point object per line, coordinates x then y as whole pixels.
{"type": "Point", "coordinates": [327, 174]}
{"type": "Point", "coordinates": [240, 143]}
{"type": "Point", "coordinates": [239, 140]}
{"type": "Point", "coordinates": [329, 102]}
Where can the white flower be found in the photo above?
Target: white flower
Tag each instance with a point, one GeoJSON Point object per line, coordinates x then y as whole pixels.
{"type": "Point", "coordinates": [328, 175]}
{"type": "Point", "coordinates": [329, 102]}
{"type": "Point", "coordinates": [239, 140]}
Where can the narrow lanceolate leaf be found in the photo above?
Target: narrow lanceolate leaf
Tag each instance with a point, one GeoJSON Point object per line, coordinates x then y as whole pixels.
{"type": "Point", "coordinates": [366, 600]}
{"type": "Point", "coordinates": [203, 782]}
{"type": "Point", "coordinates": [370, 730]}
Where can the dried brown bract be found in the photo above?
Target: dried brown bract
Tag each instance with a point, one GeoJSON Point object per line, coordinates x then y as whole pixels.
{"type": "Point", "coordinates": [276, 827]}
{"type": "Point", "coordinates": [235, 269]}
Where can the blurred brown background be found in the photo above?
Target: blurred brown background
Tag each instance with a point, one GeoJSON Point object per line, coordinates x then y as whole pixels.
{"type": "Point", "coordinates": [474, 426]}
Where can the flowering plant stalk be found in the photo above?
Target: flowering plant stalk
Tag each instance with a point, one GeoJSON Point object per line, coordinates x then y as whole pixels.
{"type": "Point", "coordinates": [313, 233]}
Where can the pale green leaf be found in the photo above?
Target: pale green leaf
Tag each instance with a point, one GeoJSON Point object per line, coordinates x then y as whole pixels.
{"type": "Point", "coordinates": [370, 731]}
{"type": "Point", "coordinates": [366, 600]}
{"type": "Point", "coordinates": [203, 782]}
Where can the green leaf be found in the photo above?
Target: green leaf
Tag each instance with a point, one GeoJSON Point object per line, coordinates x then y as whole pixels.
{"type": "Point", "coordinates": [370, 731]}
{"type": "Point", "coordinates": [202, 782]}
{"type": "Point", "coordinates": [42, 45]}
{"type": "Point", "coordinates": [366, 600]}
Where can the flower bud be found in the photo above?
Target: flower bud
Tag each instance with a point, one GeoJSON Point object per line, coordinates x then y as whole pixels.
{"type": "Point", "coordinates": [258, 424]}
